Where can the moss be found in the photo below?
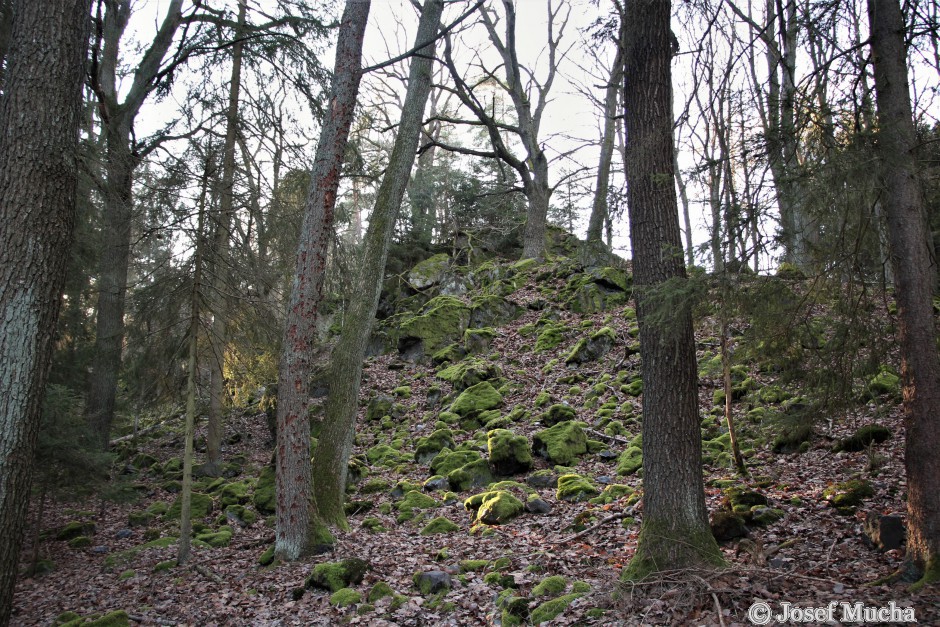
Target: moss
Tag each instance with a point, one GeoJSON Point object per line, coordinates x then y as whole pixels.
{"type": "Point", "coordinates": [117, 618]}
{"type": "Point", "coordinates": [665, 545]}
{"type": "Point", "coordinates": [264, 498]}
{"type": "Point", "coordinates": [613, 492]}
{"type": "Point", "coordinates": [373, 525]}
{"type": "Point", "coordinates": [200, 507]}
{"type": "Point", "coordinates": [335, 576]}
{"type": "Point", "coordinates": [931, 575]}
{"type": "Point", "coordinates": [241, 514]}
{"type": "Point", "coordinates": [234, 493]}
{"type": "Point", "coordinates": [575, 488]}
{"type": "Point", "coordinates": [79, 542]}
{"type": "Point", "coordinates": [550, 587]}
{"type": "Point", "coordinates": [592, 348]}
{"type": "Point", "coordinates": [886, 382]}
{"type": "Point", "coordinates": [558, 413]}
{"type": "Point", "coordinates": [384, 455]}
{"type": "Point", "coordinates": [476, 398]}
{"type": "Point", "coordinates": [551, 609]}
{"type": "Point", "coordinates": [550, 336]}
{"type": "Point", "coordinates": [495, 507]}
{"type": "Point", "coordinates": [863, 438]}
{"type": "Point", "coordinates": [473, 475]}
{"type": "Point", "coordinates": [373, 486]}
{"type": "Point", "coordinates": [849, 494]}
{"type": "Point", "coordinates": [442, 321]}
{"type": "Point", "coordinates": [217, 539]}
{"type": "Point", "coordinates": [447, 460]}
{"type": "Point", "coordinates": [379, 591]}
{"type": "Point", "coordinates": [416, 500]}
{"type": "Point", "coordinates": [127, 574]}
{"type": "Point", "coordinates": [634, 388]}
{"type": "Point", "coordinates": [472, 566]}
{"type": "Point", "coordinates": [267, 558]}
{"type": "Point", "coordinates": [344, 597]}
{"type": "Point", "coordinates": [508, 453]}
{"type": "Point", "coordinates": [561, 443]}
{"type": "Point", "coordinates": [164, 565]}
{"type": "Point", "coordinates": [438, 526]}
{"type": "Point", "coordinates": [74, 529]}
{"type": "Point", "coordinates": [581, 587]}
{"type": "Point", "coordinates": [630, 460]}
{"type": "Point", "coordinates": [402, 391]}
{"type": "Point", "coordinates": [765, 515]}
{"type": "Point", "coordinates": [428, 447]}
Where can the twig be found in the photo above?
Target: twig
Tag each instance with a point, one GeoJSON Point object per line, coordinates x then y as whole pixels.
{"type": "Point", "coordinates": [602, 521]}
{"type": "Point", "coordinates": [721, 619]}
{"type": "Point", "coordinates": [609, 438]}
{"type": "Point", "coordinates": [131, 436]}
{"type": "Point", "coordinates": [250, 544]}
{"type": "Point", "coordinates": [208, 574]}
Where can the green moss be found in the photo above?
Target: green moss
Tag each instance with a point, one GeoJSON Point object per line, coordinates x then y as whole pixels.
{"type": "Point", "coordinates": [509, 453]}
{"type": "Point", "coordinates": [217, 539]}
{"type": "Point", "coordinates": [384, 455]}
{"type": "Point", "coordinates": [442, 321]}
{"type": "Point", "coordinates": [74, 529]}
{"type": "Point", "coordinates": [79, 542]}
{"type": "Point", "coordinates": [240, 513]}
{"type": "Point", "coordinates": [550, 336]}
{"type": "Point", "coordinates": [849, 493]}
{"type": "Point", "coordinates": [561, 443]}
{"type": "Point", "coordinates": [472, 566]}
{"type": "Point", "coordinates": [234, 493]}
{"type": "Point", "coordinates": [379, 591]}
{"type": "Point", "coordinates": [416, 500]}
{"type": "Point", "coordinates": [373, 525]}
{"type": "Point", "coordinates": [581, 587]}
{"type": "Point", "coordinates": [630, 460]}
{"type": "Point", "coordinates": [886, 382]}
{"type": "Point", "coordinates": [428, 447]}
{"type": "Point", "coordinates": [118, 618]}
{"type": "Point", "coordinates": [164, 565]}
{"type": "Point", "coordinates": [438, 526]}
{"type": "Point", "coordinates": [447, 460]}
{"type": "Point", "coordinates": [402, 391]}
{"type": "Point", "coordinates": [344, 597]}
{"type": "Point", "coordinates": [551, 609]}
{"type": "Point", "coordinates": [931, 575]}
{"type": "Point", "coordinates": [575, 488]}
{"type": "Point", "coordinates": [267, 558]}
{"type": "Point", "coordinates": [373, 486]}
{"type": "Point", "coordinates": [264, 498]}
{"type": "Point", "coordinates": [550, 587]}
{"type": "Point", "coordinates": [200, 507]}
{"type": "Point", "coordinates": [335, 576]}
{"type": "Point", "coordinates": [664, 545]}
{"type": "Point", "coordinates": [477, 398]}
{"type": "Point", "coordinates": [127, 574]}
{"type": "Point", "coordinates": [558, 413]}
{"type": "Point", "coordinates": [863, 438]}
{"type": "Point", "coordinates": [473, 475]}
{"type": "Point", "coordinates": [495, 507]}
{"type": "Point", "coordinates": [613, 492]}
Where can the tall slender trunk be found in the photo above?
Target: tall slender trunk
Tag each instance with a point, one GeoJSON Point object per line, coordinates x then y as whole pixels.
{"type": "Point", "coordinates": [220, 260]}
{"type": "Point", "coordinates": [113, 264]}
{"type": "Point", "coordinates": [331, 459]}
{"type": "Point", "coordinates": [292, 472]}
{"type": "Point", "coordinates": [538, 193]}
{"type": "Point", "coordinates": [675, 532]}
{"type": "Point", "coordinates": [915, 275]}
{"type": "Point", "coordinates": [40, 112]}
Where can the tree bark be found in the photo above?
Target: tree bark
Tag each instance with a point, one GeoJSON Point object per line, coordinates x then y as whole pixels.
{"type": "Point", "coordinates": [915, 276]}
{"type": "Point", "coordinates": [40, 112]}
{"type": "Point", "coordinates": [292, 476]}
{"type": "Point", "coordinates": [117, 117]}
{"type": "Point", "coordinates": [330, 462]}
{"type": "Point", "coordinates": [220, 260]}
{"type": "Point", "coordinates": [675, 531]}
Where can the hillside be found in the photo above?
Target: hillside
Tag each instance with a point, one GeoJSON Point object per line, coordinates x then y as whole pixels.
{"type": "Point", "coordinates": [498, 449]}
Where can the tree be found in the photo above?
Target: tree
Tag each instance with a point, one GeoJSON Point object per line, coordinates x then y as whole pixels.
{"type": "Point", "coordinates": [330, 462]}
{"type": "Point", "coordinates": [292, 476]}
{"type": "Point", "coordinates": [40, 111]}
{"type": "Point", "coordinates": [675, 531]}
{"type": "Point", "coordinates": [914, 281]}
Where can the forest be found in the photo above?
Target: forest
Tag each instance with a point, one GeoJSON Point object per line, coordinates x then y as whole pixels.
{"type": "Point", "coordinates": [469, 312]}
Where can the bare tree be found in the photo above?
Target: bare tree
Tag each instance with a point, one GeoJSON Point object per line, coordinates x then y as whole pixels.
{"type": "Point", "coordinates": [40, 112]}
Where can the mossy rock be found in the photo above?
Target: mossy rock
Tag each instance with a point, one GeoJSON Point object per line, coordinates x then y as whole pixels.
{"type": "Point", "coordinates": [380, 406]}
{"type": "Point", "coordinates": [476, 399]}
{"type": "Point", "coordinates": [477, 341]}
{"type": "Point", "coordinates": [240, 515]}
{"type": "Point", "coordinates": [575, 488]}
{"type": "Point", "coordinates": [727, 525]}
{"type": "Point", "coordinates": [552, 586]}
{"type": "Point", "coordinates": [561, 443]}
{"type": "Point", "coordinates": [335, 576]}
{"type": "Point", "coordinates": [493, 311]}
{"type": "Point", "coordinates": [885, 383]}
{"type": "Point", "coordinates": [470, 372]}
{"type": "Point", "coordinates": [235, 493]}
{"type": "Point", "coordinates": [550, 336]}
{"type": "Point", "coordinates": [764, 516]}
{"type": "Point", "coordinates": [429, 272]}
{"type": "Point", "coordinates": [558, 412]}
{"type": "Point", "coordinates": [472, 566]}
{"type": "Point", "coordinates": [633, 388]}
{"type": "Point", "coordinates": [79, 542]}
{"type": "Point", "coordinates": [200, 506]}
{"type": "Point", "coordinates": [737, 497]}
{"type": "Point", "coordinates": [613, 492]}
{"type": "Point", "coordinates": [438, 526]}
{"type": "Point", "coordinates": [117, 618]}
{"type": "Point", "coordinates": [264, 498]}
{"type": "Point", "coordinates": [344, 597]}
{"type": "Point", "coordinates": [509, 453]}
{"type": "Point", "coordinates": [630, 461]}
{"type": "Point", "coordinates": [592, 348]}
{"type": "Point", "coordinates": [863, 438]}
{"type": "Point", "coordinates": [217, 539]}
{"type": "Point", "coordinates": [428, 447]}
{"type": "Point", "coordinates": [551, 609]}
{"type": "Point", "coordinates": [794, 436]}
{"type": "Point", "coordinates": [432, 582]}
{"type": "Point", "coordinates": [449, 354]}
{"type": "Point", "coordinates": [447, 460]}
{"type": "Point", "coordinates": [441, 322]}
{"type": "Point", "coordinates": [495, 507]}
{"type": "Point", "coordinates": [476, 474]}
{"type": "Point", "coordinates": [267, 558]}
{"type": "Point", "coordinates": [75, 529]}
{"type": "Point", "coordinates": [598, 289]}
{"type": "Point", "coordinates": [849, 494]}
{"type": "Point", "coordinates": [143, 461]}
{"type": "Point", "coordinates": [379, 591]}
{"type": "Point", "coordinates": [172, 466]}
{"type": "Point", "coordinates": [416, 500]}
{"type": "Point", "coordinates": [384, 455]}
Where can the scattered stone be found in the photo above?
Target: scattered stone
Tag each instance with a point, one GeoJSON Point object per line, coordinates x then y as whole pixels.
{"type": "Point", "coordinates": [630, 461]}
{"type": "Point", "coordinates": [123, 533]}
{"type": "Point", "coordinates": [509, 453]}
{"type": "Point", "coordinates": [885, 533]}
{"type": "Point", "coordinates": [575, 488]}
{"type": "Point", "coordinates": [495, 507]}
{"type": "Point", "coordinates": [335, 576]}
{"type": "Point", "coordinates": [847, 495]}
{"type": "Point", "coordinates": [476, 399]}
{"type": "Point", "coordinates": [592, 348]}
{"type": "Point", "coordinates": [74, 530]}
{"type": "Point", "coordinates": [561, 443]}
{"type": "Point", "coordinates": [438, 526]}
{"type": "Point", "coordinates": [863, 438]}
{"type": "Point", "coordinates": [537, 505]}
{"type": "Point", "coordinates": [559, 412]}
{"type": "Point", "coordinates": [432, 582]}
{"type": "Point", "coordinates": [264, 498]}
{"type": "Point", "coordinates": [542, 479]}
{"type": "Point", "coordinates": [428, 447]}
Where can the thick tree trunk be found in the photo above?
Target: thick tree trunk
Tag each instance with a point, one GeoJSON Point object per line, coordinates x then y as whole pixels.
{"type": "Point", "coordinates": [539, 194]}
{"type": "Point", "coordinates": [330, 462]}
{"type": "Point", "coordinates": [40, 112]}
{"type": "Point", "coordinates": [292, 477]}
{"type": "Point", "coordinates": [915, 275]}
{"type": "Point", "coordinates": [675, 531]}
{"type": "Point", "coordinates": [220, 262]}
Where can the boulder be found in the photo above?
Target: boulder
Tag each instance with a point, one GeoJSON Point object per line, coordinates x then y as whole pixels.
{"type": "Point", "coordinates": [561, 443]}
{"type": "Point", "coordinates": [884, 533]}
{"type": "Point", "coordinates": [495, 507]}
{"type": "Point", "coordinates": [509, 453]}
{"type": "Point", "coordinates": [593, 347]}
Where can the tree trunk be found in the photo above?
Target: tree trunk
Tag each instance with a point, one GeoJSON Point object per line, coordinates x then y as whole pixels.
{"type": "Point", "coordinates": [914, 280]}
{"type": "Point", "coordinates": [339, 424]}
{"type": "Point", "coordinates": [539, 193]}
{"type": "Point", "coordinates": [292, 476]}
{"type": "Point", "coordinates": [112, 279]}
{"type": "Point", "coordinates": [220, 261]}
{"type": "Point", "coordinates": [675, 531]}
{"type": "Point", "coordinates": [40, 112]}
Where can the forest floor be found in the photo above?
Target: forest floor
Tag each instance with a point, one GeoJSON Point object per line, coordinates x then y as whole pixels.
{"type": "Point", "coordinates": [811, 557]}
